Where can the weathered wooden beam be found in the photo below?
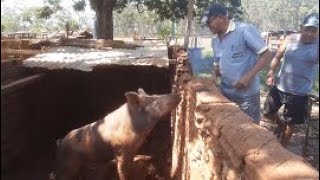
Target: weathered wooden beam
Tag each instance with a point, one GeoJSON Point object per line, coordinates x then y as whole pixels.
{"type": "Point", "coordinates": [190, 17]}
{"type": "Point", "coordinates": [100, 43]}
{"type": "Point", "coordinates": [21, 83]}
{"type": "Point", "coordinates": [21, 53]}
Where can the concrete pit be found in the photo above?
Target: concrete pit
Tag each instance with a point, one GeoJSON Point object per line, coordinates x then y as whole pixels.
{"type": "Point", "coordinates": [36, 115]}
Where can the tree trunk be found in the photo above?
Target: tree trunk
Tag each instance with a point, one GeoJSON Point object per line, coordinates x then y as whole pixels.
{"type": "Point", "coordinates": [189, 18]}
{"type": "Point", "coordinates": [105, 20]}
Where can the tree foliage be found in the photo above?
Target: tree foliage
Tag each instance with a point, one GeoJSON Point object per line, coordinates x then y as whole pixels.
{"type": "Point", "coordinates": [45, 12]}
{"type": "Point", "coordinates": [165, 9]}
{"type": "Point", "coordinates": [27, 19]}
{"type": "Point", "coordinates": [9, 21]}
{"type": "Point", "coordinates": [278, 15]}
{"type": "Point", "coordinates": [79, 5]}
{"type": "Point", "coordinates": [130, 20]}
{"type": "Point", "coordinates": [266, 15]}
{"type": "Point", "coordinates": [51, 7]}
{"type": "Point", "coordinates": [3, 27]}
{"type": "Point", "coordinates": [163, 31]}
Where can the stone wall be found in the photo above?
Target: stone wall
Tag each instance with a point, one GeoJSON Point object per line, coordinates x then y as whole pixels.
{"type": "Point", "coordinates": [214, 139]}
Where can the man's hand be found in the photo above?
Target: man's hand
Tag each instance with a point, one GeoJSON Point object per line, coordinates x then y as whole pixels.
{"type": "Point", "coordinates": [270, 78]}
{"type": "Point", "coordinates": [244, 82]}
{"type": "Point", "coordinates": [214, 76]}
{"type": "Point", "coordinates": [215, 73]}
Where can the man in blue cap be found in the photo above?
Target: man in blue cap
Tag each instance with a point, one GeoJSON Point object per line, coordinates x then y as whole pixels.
{"type": "Point", "coordinates": [300, 53]}
{"type": "Point", "coordinates": [239, 55]}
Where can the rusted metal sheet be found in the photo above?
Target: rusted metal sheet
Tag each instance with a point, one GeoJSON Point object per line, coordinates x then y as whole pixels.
{"type": "Point", "coordinates": [85, 59]}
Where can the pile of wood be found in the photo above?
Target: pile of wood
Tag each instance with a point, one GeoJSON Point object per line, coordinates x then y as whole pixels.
{"type": "Point", "coordinates": [85, 35]}
{"type": "Point", "coordinates": [41, 44]}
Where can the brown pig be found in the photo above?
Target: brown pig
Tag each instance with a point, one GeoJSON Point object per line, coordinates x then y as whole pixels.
{"type": "Point", "coordinates": [118, 136]}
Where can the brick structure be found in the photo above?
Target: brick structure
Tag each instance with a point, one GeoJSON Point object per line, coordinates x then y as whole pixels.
{"type": "Point", "coordinates": [214, 139]}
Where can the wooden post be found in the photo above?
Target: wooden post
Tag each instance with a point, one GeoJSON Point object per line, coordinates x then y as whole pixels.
{"type": "Point", "coordinates": [67, 30]}
{"type": "Point", "coordinates": [190, 14]}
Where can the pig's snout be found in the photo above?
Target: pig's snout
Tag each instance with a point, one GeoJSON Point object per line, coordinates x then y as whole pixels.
{"type": "Point", "coordinates": [178, 98]}
{"type": "Point", "coordinates": [175, 100]}
{"type": "Point", "coordinates": [170, 103]}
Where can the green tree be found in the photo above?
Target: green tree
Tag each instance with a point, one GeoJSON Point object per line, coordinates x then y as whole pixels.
{"type": "Point", "coordinates": [79, 5]}
{"type": "Point", "coordinates": [3, 27]}
{"type": "Point", "coordinates": [57, 16]}
{"type": "Point", "coordinates": [28, 17]}
{"type": "Point", "coordinates": [278, 15]}
{"type": "Point", "coordinates": [10, 20]}
{"type": "Point", "coordinates": [51, 7]}
{"type": "Point", "coordinates": [61, 20]}
{"type": "Point", "coordinates": [130, 20]}
{"type": "Point", "coordinates": [163, 30]}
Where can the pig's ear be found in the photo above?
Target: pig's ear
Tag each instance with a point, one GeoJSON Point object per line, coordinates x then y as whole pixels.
{"type": "Point", "coordinates": [141, 91]}
{"type": "Point", "coordinates": [132, 98]}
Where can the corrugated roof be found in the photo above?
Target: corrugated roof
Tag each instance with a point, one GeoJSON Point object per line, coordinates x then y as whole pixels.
{"type": "Point", "coordinates": [79, 58]}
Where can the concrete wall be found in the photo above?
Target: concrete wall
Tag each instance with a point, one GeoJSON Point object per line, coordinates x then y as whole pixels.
{"type": "Point", "coordinates": [214, 139]}
{"type": "Point", "coordinates": [37, 110]}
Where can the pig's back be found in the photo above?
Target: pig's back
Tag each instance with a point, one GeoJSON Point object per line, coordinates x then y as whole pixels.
{"type": "Point", "coordinates": [88, 142]}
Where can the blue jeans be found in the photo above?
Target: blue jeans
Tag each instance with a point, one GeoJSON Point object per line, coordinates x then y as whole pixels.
{"type": "Point", "coordinates": [248, 104]}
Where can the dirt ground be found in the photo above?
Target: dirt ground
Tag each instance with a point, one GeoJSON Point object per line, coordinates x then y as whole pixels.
{"type": "Point", "coordinates": [297, 141]}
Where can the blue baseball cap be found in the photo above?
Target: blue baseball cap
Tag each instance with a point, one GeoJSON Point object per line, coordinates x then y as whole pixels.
{"type": "Point", "coordinates": [213, 10]}
{"type": "Point", "coordinates": [311, 20]}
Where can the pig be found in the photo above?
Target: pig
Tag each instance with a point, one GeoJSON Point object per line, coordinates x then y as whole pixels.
{"type": "Point", "coordinates": [118, 136]}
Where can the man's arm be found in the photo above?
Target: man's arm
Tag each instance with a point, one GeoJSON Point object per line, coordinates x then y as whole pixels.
{"type": "Point", "coordinates": [253, 40]}
{"type": "Point", "coordinates": [262, 62]}
{"type": "Point", "coordinates": [275, 63]}
{"type": "Point", "coordinates": [216, 72]}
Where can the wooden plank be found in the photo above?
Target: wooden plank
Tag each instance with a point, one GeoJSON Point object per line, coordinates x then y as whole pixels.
{"type": "Point", "coordinates": [21, 51]}
{"type": "Point", "coordinates": [5, 89]}
{"type": "Point", "coordinates": [14, 53]}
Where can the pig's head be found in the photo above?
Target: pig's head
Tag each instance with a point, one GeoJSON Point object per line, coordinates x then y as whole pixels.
{"type": "Point", "coordinates": [151, 107]}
